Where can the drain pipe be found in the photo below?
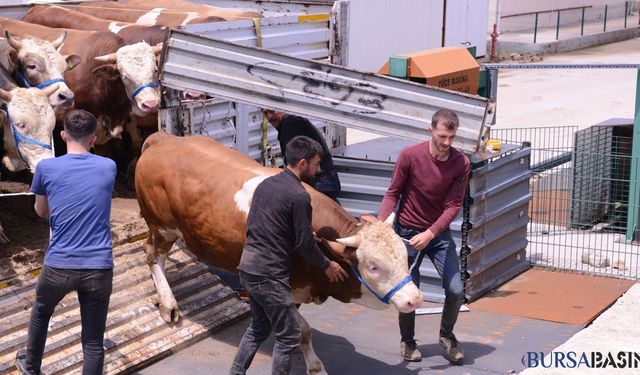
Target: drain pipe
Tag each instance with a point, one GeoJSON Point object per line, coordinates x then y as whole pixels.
{"type": "Point", "coordinates": [495, 33]}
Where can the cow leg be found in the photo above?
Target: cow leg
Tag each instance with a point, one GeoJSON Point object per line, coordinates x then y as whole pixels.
{"type": "Point", "coordinates": [157, 248]}
{"type": "Point", "coordinates": [314, 365]}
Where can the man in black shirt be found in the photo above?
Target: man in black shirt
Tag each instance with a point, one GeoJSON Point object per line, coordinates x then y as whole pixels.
{"type": "Point", "coordinates": [291, 126]}
{"type": "Point", "coordinates": [279, 222]}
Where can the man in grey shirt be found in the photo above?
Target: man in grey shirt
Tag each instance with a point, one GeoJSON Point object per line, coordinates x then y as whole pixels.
{"type": "Point", "coordinates": [279, 222]}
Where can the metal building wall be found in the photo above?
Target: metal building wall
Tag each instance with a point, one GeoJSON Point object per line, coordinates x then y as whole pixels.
{"type": "Point", "coordinates": [467, 22]}
{"type": "Point", "coordinates": [379, 29]}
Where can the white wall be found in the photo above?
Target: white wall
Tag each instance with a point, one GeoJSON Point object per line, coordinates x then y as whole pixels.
{"type": "Point", "coordinates": [467, 21]}
{"type": "Point", "coordinates": [379, 29]}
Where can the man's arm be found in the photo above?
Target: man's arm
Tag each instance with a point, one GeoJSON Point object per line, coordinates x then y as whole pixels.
{"type": "Point", "coordinates": [396, 188]}
{"type": "Point", "coordinates": [41, 206]}
{"type": "Point", "coordinates": [306, 244]}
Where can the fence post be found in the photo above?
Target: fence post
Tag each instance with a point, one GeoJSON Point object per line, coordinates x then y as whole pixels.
{"type": "Point", "coordinates": [535, 29]}
{"type": "Point", "coordinates": [626, 9]}
{"type": "Point", "coordinates": [606, 7]}
{"type": "Point", "coordinates": [634, 182]}
{"type": "Point", "coordinates": [558, 25]}
{"type": "Point", "coordinates": [582, 23]}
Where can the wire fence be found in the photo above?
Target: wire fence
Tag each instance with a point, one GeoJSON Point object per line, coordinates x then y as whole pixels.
{"type": "Point", "coordinates": [580, 198]}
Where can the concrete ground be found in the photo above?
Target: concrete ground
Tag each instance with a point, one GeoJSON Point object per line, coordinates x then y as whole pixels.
{"type": "Point", "coordinates": [351, 339]}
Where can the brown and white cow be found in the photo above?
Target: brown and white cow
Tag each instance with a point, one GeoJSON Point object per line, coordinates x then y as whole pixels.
{"type": "Point", "coordinates": [36, 62]}
{"type": "Point", "coordinates": [115, 78]}
{"type": "Point", "coordinates": [59, 17]}
{"type": "Point", "coordinates": [202, 9]}
{"type": "Point", "coordinates": [200, 191]}
{"type": "Point", "coordinates": [27, 125]}
{"type": "Point", "coordinates": [143, 15]}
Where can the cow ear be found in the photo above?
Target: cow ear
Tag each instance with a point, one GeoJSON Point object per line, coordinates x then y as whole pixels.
{"type": "Point", "coordinates": [107, 71]}
{"type": "Point", "coordinates": [12, 59]}
{"type": "Point", "coordinates": [73, 61]}
{"type": "Point", "coordinates": [340, 251]}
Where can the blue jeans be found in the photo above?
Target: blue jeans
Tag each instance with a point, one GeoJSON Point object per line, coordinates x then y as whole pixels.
{"type": "Point", "coordinates": [442, 252]}
{"type": "Point", "coordinates": [94, 290]}
{"type": "Point", "coordinates": [329, 185]}
{"type": "Point", "coordinates": [272, 309]}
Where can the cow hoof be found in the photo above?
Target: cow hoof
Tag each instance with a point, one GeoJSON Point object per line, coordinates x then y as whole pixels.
{"type": "Point", "coordinates": [169, 315]}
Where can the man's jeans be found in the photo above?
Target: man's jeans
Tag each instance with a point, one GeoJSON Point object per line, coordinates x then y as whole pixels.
{"type": "Point", "coordinates": [442, 252]}
{"type": "Point", "coordinates": [329, 185]}
{"type": "Point", "coordinates": [272, 308]}
{"type": "Point", "coordinates": [94, 291]}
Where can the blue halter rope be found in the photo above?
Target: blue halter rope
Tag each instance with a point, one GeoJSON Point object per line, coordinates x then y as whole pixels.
{"type": "Point", "coordinates": [387, 296]}
{"type": "Point", "coordinates": [40, 85]}
{"type": "Point", "coordinates": [19, 137]}
{"type": "Point", "coordinates": [139, 89]}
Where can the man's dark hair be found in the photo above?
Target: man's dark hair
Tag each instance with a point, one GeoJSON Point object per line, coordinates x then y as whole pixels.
{"type": "Point", "coordinates": [447, 117]}
{"type": "Point", "coordinates": [79, 124]}
{"type": "Point", "coordinates": [302, 147]}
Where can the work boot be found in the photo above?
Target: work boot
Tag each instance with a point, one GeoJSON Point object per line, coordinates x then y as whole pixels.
{"type": "Point", "coordinates": [21, 362]}
{"type": "Point", "coordinates": [410, 352]}
{"type": "Point", "coordinates": [452, 347]}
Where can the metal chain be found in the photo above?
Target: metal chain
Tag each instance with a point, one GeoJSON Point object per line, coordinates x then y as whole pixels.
{"type": "Point", "coordinates": [561, 66]}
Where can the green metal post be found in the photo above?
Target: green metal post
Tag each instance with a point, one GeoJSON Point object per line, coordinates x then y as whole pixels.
{"type": "Point", "coordinates": [582, 23]}
{"type": "Point", "coordinates": [606, 7]}
{"type": "Point", "coordinates": [535, 29]}
{"type": "Point", "coordinates": [558, 25]}
{"type": "Point", "coordinates": [634, 183]}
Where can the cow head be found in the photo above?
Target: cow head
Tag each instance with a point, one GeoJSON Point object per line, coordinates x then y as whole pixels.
{"type": "Point", "coordinates": [380, 257]}
{"type": "Point", "coordinates": [28, 124]}
{"type": "Point", "coordinates": [38, 63]}
{"type": "Point", "coordinates": [136, 65]}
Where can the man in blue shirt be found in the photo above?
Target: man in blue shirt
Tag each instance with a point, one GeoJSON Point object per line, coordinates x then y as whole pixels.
{"type": "Point", "coordinates": [74, 190]}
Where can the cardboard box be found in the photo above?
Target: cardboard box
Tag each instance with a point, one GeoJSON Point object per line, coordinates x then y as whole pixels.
{"type": "Point", "coordinates": [451, 68]}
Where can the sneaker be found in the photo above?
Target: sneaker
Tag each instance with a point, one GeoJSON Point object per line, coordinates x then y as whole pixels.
{"type": "Point", "coordinates": [410, 352]}
{"type": "Point", "coordinates": [21, 362]}
{"type": "Point", "coordinates": [452, 347]}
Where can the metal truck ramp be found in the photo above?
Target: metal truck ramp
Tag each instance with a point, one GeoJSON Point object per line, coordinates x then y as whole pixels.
{"type": "Point", "coordinates": [135, 333]}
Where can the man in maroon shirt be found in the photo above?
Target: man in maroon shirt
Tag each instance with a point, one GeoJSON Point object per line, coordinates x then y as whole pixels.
{"type": "Point", "coordinates": [429, 180]}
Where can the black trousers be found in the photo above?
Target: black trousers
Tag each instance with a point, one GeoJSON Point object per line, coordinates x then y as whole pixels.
{"type": "Point", "coordinates": [94, 291]}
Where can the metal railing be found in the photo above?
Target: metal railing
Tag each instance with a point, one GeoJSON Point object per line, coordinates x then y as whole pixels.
{"type": "Point", "coordinates": [580, 198]}
{"type": "Point", "coordinates": [576, 21]}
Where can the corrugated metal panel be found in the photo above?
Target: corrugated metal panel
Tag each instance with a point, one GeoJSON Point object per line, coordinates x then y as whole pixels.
{"type": "Point", "coordinates": [467, 21]}
{"type": "Point", "coordinates": [350, 98]}
{"type": "Point", "coordinates": [268, 8]}
{"type": "Point", "coordinates": [498, 215]}
{"type": "Point", "coordinates": [379, 29]}
{"type": "Point", "coordinates": [301, 36]}
{"type": "Point", "coordinates": [135, 333]}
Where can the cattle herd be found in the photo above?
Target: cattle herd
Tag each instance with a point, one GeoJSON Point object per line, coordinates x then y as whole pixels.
{"type": "Point", "coordinates": [97, 56]}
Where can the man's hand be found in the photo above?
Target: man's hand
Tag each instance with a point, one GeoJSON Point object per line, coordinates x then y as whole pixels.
{"type": "Point", "coordinates": [421, 240]}
{"type": "Point", "coordinates": [335, 273]}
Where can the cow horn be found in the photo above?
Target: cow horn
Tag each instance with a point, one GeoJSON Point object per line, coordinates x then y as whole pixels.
{"type": "Point", "coordinates": [353, 241]}
{"type": "Point", "coordinates": [58, 42]}
{"type": "Point", "coordinates": [110, 58]}
{"type": "Point", "coordinates": [390, 219]}
{"type": "Point", "coordinates": [49, 90]}
{"type": "Point", "coordinates": [13, 42]}
{"type": "Point", "coordinates": [5, 96]}
{"type": "Point", "coordinates": [157, 48]}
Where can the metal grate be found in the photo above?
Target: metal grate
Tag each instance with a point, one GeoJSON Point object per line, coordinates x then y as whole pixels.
{"type": "Point", "coordinates": [580, 197]}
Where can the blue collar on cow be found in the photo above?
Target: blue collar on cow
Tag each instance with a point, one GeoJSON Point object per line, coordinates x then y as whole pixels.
{"type": "Point", "coordinates": [387, 296]}
{"type": "Point", "coordinates": [139, 89]}
{"type": "Point", "coordinates": [19, 137]}
{"type": "Point", "coordinates": [40, 85]}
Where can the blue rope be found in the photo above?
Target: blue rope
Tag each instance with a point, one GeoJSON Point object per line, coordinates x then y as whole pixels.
{"type": "Point", "coordinates": [139, 89]}
{"type": "Point", "coordinates": [40, 85]}
{"type": "Point", "coordinates": [387, 296]}
{"type": "Point", "coordinates": [19, 137]}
